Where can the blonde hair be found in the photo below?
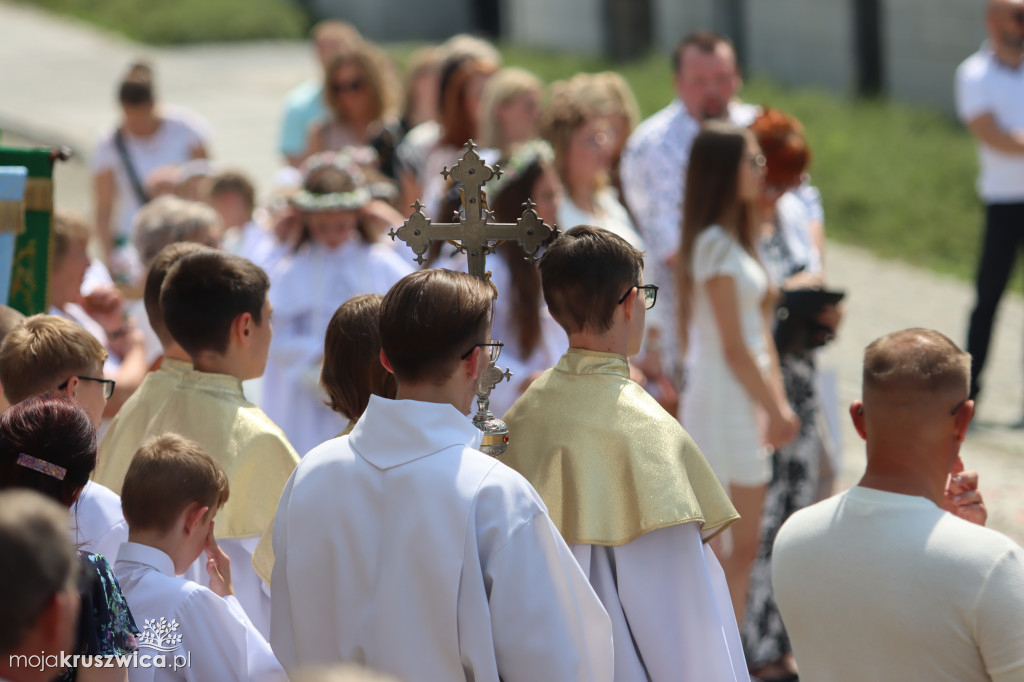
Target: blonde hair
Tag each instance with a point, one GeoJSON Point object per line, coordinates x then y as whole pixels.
{"type": "Point", "coordinates": [39, 354]}
{"type": "Point", "coordinates": [608, 94]}
{"type": "Point", "coordinates": [68, 227]}
{"type": "Point", "coordinates": [504, 86]}
{"type": "Point", "coordinates": [379, 75]}
{"type": "Point", "coordinates": [565, 114]}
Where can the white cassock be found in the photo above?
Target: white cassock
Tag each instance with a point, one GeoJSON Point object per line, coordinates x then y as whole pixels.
{"type": "Point", "coordinates": [305, 290]}
{"type": "Point", "coordinates": [404, 548]}
{"type": "Point", "coordinates": [672, 617]}
{"type": "Point", "coordinates": [217, 639]}
{"type": "Point", "coordinates": [97, 524]}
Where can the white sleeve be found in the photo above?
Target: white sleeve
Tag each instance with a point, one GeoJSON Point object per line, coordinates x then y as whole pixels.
{"type": "Point", "coordinates": [657, 207]}
{"type": "Point", "coordinates": [713, 256]}
{"type": "Point", "coordinates": [680, 616]}
{"type": "Point", "coordinates": [215, 637]}
{"type": "Point", "coordinates": [999, 618]}
{"type": "Point", "coordinates": [282, 634]}
{"type": "Point", "coordinates": [262, 664]}
{"type": "Point", "coordinates": [253, 595]}
{"type": "Point", "coordinates": [973, 97]}
{"type": "Point", "coordinates": [104, 154]}
{"type": "Point", "coordinates": [548, 623]}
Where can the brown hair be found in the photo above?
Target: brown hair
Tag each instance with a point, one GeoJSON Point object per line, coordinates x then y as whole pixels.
{"type": "Point", "coordinates": [137, 86]}
{"type": "Point", "coordinates": [204, 292]}
{"type": "Point", "coordinates": [379, 77]}
{"type": "Point", "coordinates": [916, 361]}
{"type": "Point", "coordinates": [504, 86]}
{"type": "Point", "coordinates": [565, 114]}
{"type": "Point", "coordinates": [458, 123]}
{"type": "Point", "coordinates": [234, 182]}
{"type": "Point", "coordinates": [429, 319]}
{"type": "Point", "coordinates": [584, 273]}
{"type": "Point", "coordinates": [68, 227]}
{"type": "Point", "coordinates": [712, 177]}
{"type": "Point", "coordinates": [782, 142]}
{"type": "Point", "coordinates": [42, 352]}
{"type": "Point", "coordinates": [705, 41]}
{"type": "Point", "coordinates": [53, 428]}
{"type": "Point", "coordinates": [329, 179]}
{"type": "Point", "coordinates": [167, 474]}
{"type": "Point", "coordinates": [155, 277]}
{"type": "Point", "coordinates": [37, 560]}
{"type": "Point", "coordinates": [352, 371]}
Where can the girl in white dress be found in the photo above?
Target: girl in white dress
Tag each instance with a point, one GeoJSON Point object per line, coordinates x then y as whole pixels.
{"type": "Point", "coordinates": [734, 387]}
{"type": "Point", "coordinates": [338, 257]}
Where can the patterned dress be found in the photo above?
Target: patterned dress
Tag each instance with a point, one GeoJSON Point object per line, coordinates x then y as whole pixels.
{"type": "Point", "coordinates": [105, 626]}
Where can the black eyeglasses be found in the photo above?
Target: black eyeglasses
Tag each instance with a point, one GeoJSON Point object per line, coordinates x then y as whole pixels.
{"type": "Point", "coordinates": [108, 385]}
{"type": "Point", "coordinates": [347, 86]}
{"type": "Point", "coordinates": [493, 347]}
{"type": "Point", "coordinates": [958, 406]}
{"type": "Point", "coordinates": [650, 294]}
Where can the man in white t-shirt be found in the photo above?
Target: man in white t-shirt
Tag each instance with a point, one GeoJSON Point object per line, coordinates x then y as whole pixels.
{"type": "Point", "coordinates": [990, 102]}
{"type": "Point", "coordinates": [882, 582]}
{"type": "Point", "coordinates": [147, 138]}
{"type": "Point", "coordinates": [653, 167]}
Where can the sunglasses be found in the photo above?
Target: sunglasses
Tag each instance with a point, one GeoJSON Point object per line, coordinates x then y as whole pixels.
{"type": "Point", "coordinates": [347, 86]}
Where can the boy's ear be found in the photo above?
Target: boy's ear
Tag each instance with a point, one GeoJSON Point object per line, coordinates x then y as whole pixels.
{"type": "Point", "coordinates": [194, 513]}
{"type": "Point", "coordinates": [71, 390]}
{"type": "Point", "coordinates": [242, 327]}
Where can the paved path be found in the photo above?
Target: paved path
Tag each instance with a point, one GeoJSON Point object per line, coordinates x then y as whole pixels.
{"type": "Point", "coordinates": [65, 94]}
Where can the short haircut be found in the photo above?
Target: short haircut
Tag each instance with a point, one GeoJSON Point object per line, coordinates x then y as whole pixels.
{"type": "Point", "coordinates": [9, 319]}
{"type": "Point", "coordinates": [781, 138]}
{"type": "Point", "coordinates": [42, 352]}
{"type": "Point", "coordinates": [584, 273]}
{"type": "Point", "coordinates": [429, 319]}
{"type": "Point", "coordinates": [352, 371]}
{"type": "Point", "coordinates": [68, 227]}
{"type": "Point", "coordinates": [167, 474]}
{"type": "Point", "coordinates": [204, 292]}
{"type": "Point", "coordinates": [168, 219]}
{"type": "Point", "coordinates": [53, 429]}
{"type": "Point", "coordinates": [915, 362]}
{"type": "Point", "coordinates": [704, 41]}
{"type": "Point", "coordinates": [37, 560]}
{"type": "Point", "coordinates": [234, 182]}
{"type": "Point", "coordinates": [155, 277]}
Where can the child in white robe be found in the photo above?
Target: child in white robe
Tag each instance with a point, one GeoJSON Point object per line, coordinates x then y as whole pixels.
{"type": "Point", "coordinates": [172, 492]}
{"type": "Point", "coordinates": [339, 256]}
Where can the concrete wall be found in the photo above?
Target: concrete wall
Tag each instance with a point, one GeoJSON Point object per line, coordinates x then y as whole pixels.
{"type": "Point", "coordinates": [923, 42]}
{"type": "Point", "coordinates": [563, 25]}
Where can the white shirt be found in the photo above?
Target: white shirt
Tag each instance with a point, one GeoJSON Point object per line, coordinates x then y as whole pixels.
{"type": "Point", "coordinates": [672, 617]}
{"type": "Point", "coordinates": [305, 291]}
{"type": "Point", "coordinates": [98, 526]}
{"type": "Point", "coordinates": [611, 215]}
{"type": "Point", "coordinates": [404, 548]}
{"type": "Point", "coordinates": [878, 586]}
{"type": "Point", "coordinates": [172, 144]}
{"type": "Point", "coordinates": [254, 242]}
{"type": "Point", "coordinates": [217, 639]}
{"type": "Point", "coordinates": [984, 85]}
{"type": "Point", "coordinates": [252, 593]}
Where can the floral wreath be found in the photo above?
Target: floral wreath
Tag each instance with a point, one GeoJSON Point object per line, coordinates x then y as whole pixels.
{"type": "Point", "coordinates": [529, 153]}
{"type": "Point", "coordinates": [305, 200]}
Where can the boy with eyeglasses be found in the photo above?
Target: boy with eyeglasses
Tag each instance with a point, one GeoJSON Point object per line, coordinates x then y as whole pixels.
{"type": "Point", "coordinates": [50, 353]}
{"type": "Point", "coordinates": [627, 488]}
{"type": "Point", "coordinates": [404, 547]}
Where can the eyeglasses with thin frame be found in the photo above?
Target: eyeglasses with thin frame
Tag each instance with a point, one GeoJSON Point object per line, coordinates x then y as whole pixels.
{"type": "Point", "coordinates": [493, 348]}
{"type": "Point", "coordinates": [108, 385]}
{"type": "Point", "coordinates": [650, 292]}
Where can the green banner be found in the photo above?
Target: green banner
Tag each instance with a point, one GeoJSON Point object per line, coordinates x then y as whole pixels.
{"type": "Point", "coordinates": [33, 249]}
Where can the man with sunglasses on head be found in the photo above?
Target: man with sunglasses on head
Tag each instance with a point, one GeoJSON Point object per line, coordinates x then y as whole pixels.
{"type": "Point", "coordinates": [882, 582]}
{"type": "Point", "coordinates": [990, 102]}
{"type": "Point", "coordinates": [626, 486]}
{"type": "Point", "coordinates": [403, 547]}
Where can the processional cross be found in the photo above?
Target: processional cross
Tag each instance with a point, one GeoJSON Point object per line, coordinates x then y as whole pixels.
{"type": "Point", "coordinates": [474, 234]}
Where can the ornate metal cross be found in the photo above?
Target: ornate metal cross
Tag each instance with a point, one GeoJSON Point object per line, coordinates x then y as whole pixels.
{"type": "Point", "coordinates": [475, 234]}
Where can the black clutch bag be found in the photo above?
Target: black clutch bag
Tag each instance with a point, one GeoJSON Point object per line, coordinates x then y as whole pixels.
{"type": "Point", "coordinates": [798, 329]}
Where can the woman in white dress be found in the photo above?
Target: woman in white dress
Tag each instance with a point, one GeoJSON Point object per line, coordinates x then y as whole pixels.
{"type": "Point", "coordinates": [734, 387]}
{"type": "Point", "coordinates": [338, 256]}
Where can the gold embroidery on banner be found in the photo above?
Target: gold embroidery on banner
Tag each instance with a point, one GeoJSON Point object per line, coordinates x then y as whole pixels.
{"type": "Point", "coordinates": [12, 216]}
{"type": "Point", "coordinates": [39, 195]}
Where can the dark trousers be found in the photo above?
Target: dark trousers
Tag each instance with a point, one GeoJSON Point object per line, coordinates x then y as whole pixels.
{"type": "Point", "coordinates": [1004, 233]}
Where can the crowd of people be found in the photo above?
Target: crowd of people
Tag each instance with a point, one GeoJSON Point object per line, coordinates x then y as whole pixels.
{"type": "Point", "coordinates": [281, 371]}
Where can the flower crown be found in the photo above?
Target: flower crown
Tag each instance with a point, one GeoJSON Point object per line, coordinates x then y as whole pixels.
{"type": "Point", "coordinates": [528, 154]}
{"type": "Point", "coordinates": [305, 200]}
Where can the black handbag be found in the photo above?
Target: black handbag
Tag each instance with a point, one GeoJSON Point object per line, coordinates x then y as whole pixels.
{"type": "Point", "coordinates": [798, 329]}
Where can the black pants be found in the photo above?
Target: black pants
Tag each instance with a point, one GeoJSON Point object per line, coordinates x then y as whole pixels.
{"type": "Point", "coordinates": [1004, 232]}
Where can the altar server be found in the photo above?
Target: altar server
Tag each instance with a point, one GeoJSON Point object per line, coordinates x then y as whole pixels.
{"type": "Point", "coordinates": [404, 548]}
{"type": "Point", "coordinates": [627, 488]}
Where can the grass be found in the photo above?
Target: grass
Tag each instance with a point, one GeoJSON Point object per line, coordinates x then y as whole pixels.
{"type": "Point", "coordinates": [168, 22]}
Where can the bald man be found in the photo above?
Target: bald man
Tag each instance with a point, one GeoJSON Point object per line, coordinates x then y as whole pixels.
{"type": "Point", "coordinates": [880, 582]}
{"type": "Point", "coordinates": [990, 102]}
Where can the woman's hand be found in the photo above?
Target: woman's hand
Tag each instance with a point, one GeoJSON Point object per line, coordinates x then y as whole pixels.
{"type": "Point", "coordinates": [783, 427]}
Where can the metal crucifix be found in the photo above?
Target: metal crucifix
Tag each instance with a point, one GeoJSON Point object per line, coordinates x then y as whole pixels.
{"type": "Point", "coordinates": [474, 234]}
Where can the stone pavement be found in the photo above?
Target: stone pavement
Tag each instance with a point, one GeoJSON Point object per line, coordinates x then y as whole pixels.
{"type": "Point", "coordinates": [65, 93]}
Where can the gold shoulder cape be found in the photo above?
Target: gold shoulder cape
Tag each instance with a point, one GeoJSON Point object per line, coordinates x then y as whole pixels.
{"type": "Point", "coordinates": [609, 462]}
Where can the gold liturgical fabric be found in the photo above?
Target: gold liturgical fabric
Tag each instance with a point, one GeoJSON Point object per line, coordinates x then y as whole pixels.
{"type": "Point", "coordinates": [124, 436]}
{"type": "Point", "coordinates": [257, 457]}
{"type": "Point", "coordinates": [609, 462]}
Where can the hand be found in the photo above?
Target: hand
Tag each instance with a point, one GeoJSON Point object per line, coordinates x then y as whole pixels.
{"type": "Point", "coordinates": [218, 566]}
{"type": "Point", "coordinates": [830, 316]}
{"type": "Point", "coordinates": [106, 305]}
{"type": "Point", "coordinates": [962, 497]}
{"type": "Point", "coordinates": [381, 215]}
{"type": "Point", "coordinates": [783, 427]}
